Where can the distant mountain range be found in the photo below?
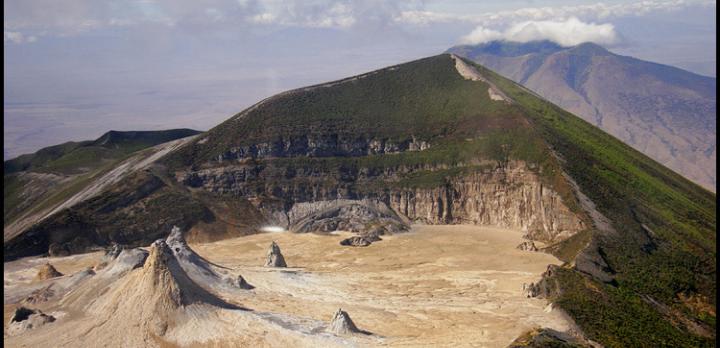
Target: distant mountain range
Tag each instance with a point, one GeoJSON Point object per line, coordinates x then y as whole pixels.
{"type": "Point", "coordinates": [667, 113]}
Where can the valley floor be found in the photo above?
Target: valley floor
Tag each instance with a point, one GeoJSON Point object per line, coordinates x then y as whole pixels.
{"type": "Point", "coordinates": [437, 286]}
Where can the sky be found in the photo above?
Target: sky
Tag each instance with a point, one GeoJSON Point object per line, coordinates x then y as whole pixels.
{"type": "Point", "coordinates": [75, 69]}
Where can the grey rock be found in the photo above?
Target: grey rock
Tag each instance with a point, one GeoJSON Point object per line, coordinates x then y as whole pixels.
{"type": "Point", "coordinates": [127, 260]}
{"type": "Point", "coordinates": [26, 319]}
{"type": "Point", "coordinates": [355, 241]}
{"type": "Point", "coordinates": [341, 324]}
{"type": "Point", "coordinates": [527, 246]}
{"type": "Point", "coordinates": [592, 262]}
{"type": "Point", "coordinates": [240, 282]}
{"type": "Point", "coordinates": [274, 257]}
{"type": "Point", "coordinates": [367, 217]}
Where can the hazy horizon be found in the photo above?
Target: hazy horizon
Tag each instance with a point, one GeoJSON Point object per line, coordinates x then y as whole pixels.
{"type": "Point", "coordinates": [77, 69]}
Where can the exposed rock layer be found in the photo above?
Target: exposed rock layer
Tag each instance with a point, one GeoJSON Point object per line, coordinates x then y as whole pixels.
{"type": "Point", "coordinates": [513, 197]}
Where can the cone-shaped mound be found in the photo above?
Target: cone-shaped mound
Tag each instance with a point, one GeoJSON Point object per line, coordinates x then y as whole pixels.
{"type": "Point", "coordinates": [341, 324]}
{"type": "Point", "coordinates": [185, 254]}
{"type": "Point", "coordinates": [153, 294]}
{"type": "Point", "coordinates": [200, 269]}
{"type": "Point", "coordinates": [274, 257]}
{"type": "Point", "coordinates": [47, 271]}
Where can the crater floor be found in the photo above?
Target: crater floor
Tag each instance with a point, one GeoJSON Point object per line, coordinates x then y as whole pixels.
{"type": "Point", "coordinates": [434, 286]}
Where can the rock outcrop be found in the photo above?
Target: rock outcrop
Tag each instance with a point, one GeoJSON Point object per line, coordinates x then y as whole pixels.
{"type": "Point", "coordinates": [127, 260]}
{"type": "Point", "coordinates": [547, 287]}
{"type": "Point", "coordinates": [368, 217]}
{"type": "Point", "coordinates": [341, 324]}
{"type": "Point", "coordinates": [530, 290]}
{"type": "Point", "coordinates": [199, 269]}
{"type": "Point", "coordinates": [545, 337]}
{"type": "Point", "coordinates": [592, 262]}
{"type": "Point", "coordinates": [241, 283]}
{"type": "Point", "coordinates": [26, 319]}
{"type": "Point", "coordinates": [47, 271]}
{"type": "Point", "coordinates": [514, 198]}
{"type": "Point", "coordinates": [274, 257]}
{"type": "Point", "coordinates": [40, 295]}
{"type": "Point", "coordinates": [527, 246]}
{"type": "Point", "coordinates": [110, 254]}
{"type": "Point", "coordinates": [322, 145]}
{"type": "Point", "coordinates": [359, 241]}
{"type": "Point", "coordinates": [317, 199]}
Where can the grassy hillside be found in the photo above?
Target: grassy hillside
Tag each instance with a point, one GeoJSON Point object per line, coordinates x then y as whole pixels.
{"type": "Point", "coordinates": [40, 180]}
{"type": "Point", "coordinates": [425, 98]}
{"type": "Point", "coordinates": [671, 260]}
{"type": "Point", "coordinates": [79, 157]}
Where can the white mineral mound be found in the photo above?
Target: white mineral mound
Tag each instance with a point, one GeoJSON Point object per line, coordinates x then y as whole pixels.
{"type": "Point", "coordinates": [200, 270]}
{"type": "Point", "coordinates": [145, 302]}
{"type": "Point", "coordinates": [275, 257]}
{"type": "Point", "coordinates": [341, 324]}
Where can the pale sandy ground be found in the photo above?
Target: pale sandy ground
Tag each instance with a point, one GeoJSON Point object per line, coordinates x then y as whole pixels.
{"type": "Point", "coordinates": [437, 286]}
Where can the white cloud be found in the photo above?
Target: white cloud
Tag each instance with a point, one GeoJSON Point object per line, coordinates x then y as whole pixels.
{"type": "Point", "coordinates": [565, 33]}
{"type": "Point", "coordinates": [75, 17]}
{"type": "Point", "coordinates": [18, 37]}
{"type": "Point", "coordinates": [589, 12]}
{"type": "Point", "coordinates": [480, 35]}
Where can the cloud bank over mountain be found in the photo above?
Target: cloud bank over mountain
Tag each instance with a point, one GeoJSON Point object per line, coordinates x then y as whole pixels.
{"type": "Point", "coordinates": [565, 33]}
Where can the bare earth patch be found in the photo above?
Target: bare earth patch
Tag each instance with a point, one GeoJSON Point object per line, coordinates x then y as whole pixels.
{"type": "Point", "coordinates": [434, 286]}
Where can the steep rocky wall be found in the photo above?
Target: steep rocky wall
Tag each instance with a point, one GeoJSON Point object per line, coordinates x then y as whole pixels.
{"type": "Point", "coordinates": [513, 197]}
{"type": "Point", "coordinates": [322, 145]}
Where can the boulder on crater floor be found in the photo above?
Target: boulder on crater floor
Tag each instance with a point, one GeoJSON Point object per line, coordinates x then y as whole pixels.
{"type": "Point", "coordinates": [240, 282]}
{"type": "Point", "coordinates": [25, 319]}
{"type": "Point", "coordinates": [527, 246]}
{"type": "Point", "coordinates": [530, 290]}
{"type": "Point", "coordinates": [356, 241]}
{"type": "Point", "coordinates": [274, 257]}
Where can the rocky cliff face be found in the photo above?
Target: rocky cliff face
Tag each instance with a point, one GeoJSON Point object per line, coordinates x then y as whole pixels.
{"type": "Point", "coordinates": [513, 197]}
{"type": "Point", "coordinates": [322, 145]}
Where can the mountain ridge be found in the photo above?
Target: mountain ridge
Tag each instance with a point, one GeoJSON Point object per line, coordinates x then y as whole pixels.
{"type": "Point", "coordinates": [661, 110]}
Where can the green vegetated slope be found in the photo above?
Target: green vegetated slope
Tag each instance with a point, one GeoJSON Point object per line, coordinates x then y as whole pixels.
{"type": "Point", "coordinates": [79, 157]}
{"type": "Point", "coordinates": [52, 174]}
{"type": "Point", "coordinates": [425, 98]}
{"type": "Point", "coordinates": [671, 260]}
{"type": "Point", "coordinates": [663, 292]}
